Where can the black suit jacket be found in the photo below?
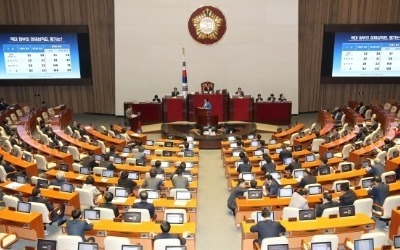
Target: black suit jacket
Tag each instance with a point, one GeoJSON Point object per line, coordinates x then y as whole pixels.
{"type": "Point", "coordinates": [267, 229]}
{"type": "Point", "coordinates": [110, 206]}
{"type": "Point", "coordinates": [127, 183]}
{"type": "Point", "coordinates": [169, 236]}
{"type": "Point", "coordinates": [89, 162]}
{"type": "Point", "coordinates": [309, 179]}
{"type": "Point", "coordinates": [293, 165]}
{"type": "Point", "coordinates": [107, 164]}
{"type": "Point", "coordinates": [269, 167]}
{"type": "Point", "coordinates": [320, 208]}
{"type": "Point", "coordinates": [285, 154]}
{"type": "Point", "coordinates": [379, 193]}
{"type": "Point", "coordinates": [244, 168]}
{"type": "Point", "coordinates": [145, 205]}
{"type": "Point", "coordinates": [49, 206]}
{"type": "Point", "coordinates": [174, 93]}
{"type": "Point", "coordinates": [348, 198]}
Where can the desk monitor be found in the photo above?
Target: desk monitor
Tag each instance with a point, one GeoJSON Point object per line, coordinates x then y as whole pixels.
{"type": "Point", "coordinates": [307, 214]}
{"type": "Point", "coordinates": [117, 136]}
{"type": "Point", "coordinates": [272, 142]}
{"type": "Point", "coordinates": [367, 182]}
{"type": "Point", "coordinates": [67, 187]}
{"type": "Point", "coordinates": [21, 179]}
{"type": "Point", "coordinates": [168, 144]}
{"type": "Point", "coordinates": [64, 149]}
{"type": "Point", "coordinates": [88, 246]}
{"type": "Point", "coordinates": [153, 194]}
{"type": "Point", "coordinates": [364, 244]}
{"type": "Point", "coordinates": [259, 152]}
{"type": "Point", "coordinates": [310, 157]}
{"type": "Point", "coordinates": [390, 178]}
{"type": "Point", "coordinates": [248, 176]}
{"type": "Point", "coordinates": [346, 167]}
{"type": "Point", "coordinates": [298, 148]}
{"type": "Point", "coordinates": [98, 157]}
{"type": "Point", "coordinates": [302, 134]}
{"type": "Point", "coordinates": [121, 192]}
{"type": "Point", "coordinates": [285, 192]}
{"type": "Point", "coordinates": [188, 176]}
{"type": "Point", "coordinates": [189, 165]}
{"type": "Point", "coordinates": [276, 175]}
{"type": "Point", "coordinates": [95, 142]}
{"type": "Point", "coordinates": [235, 153]}
{"type": "Point", "coordinates": [357, 146]}
{"type": "Point", "coordinates": [43, 244]}
{"type": "Point", "coordinates": [174, 218]}
{"type": "Point", "coordinates": [84, 170]}
{"type": "Point", "coordinates": [24, 207]}
{"type": "Point", "coordinates": [161, 176]}
{"type": "Point", "coordinates": [189, 153]}
{"type": "Point", "coordinates": [175, 248]}
{"type": "Point", "coordinates": [189, 138]}
{"type": "Point", "coordinates": [396, 241]}
{"type": "Point", "coordinates": [91, 214]}
{"type": "Point", "coordinates": [278, 150]}
{"type": "Point", "coordinates": [131, 247]}
{"type": "Point", "coordinates": [368, 142]}
{"type": "Point", "coordinates": [298, 173]}
{"type": "Point", "coordinates": [135, 217]}
{"type": "Point", "coordinates": [395, 153]}
{"type": "Point", "coordinates": [42, 183]}
{"type": "Point", "coordinates": [64, 167]}
{"type": "Point", "coordinates": [147, 152]}
{"type": "Point", "coordinates": [83, 139]}
{"type": "Point", "coordinates": [134, 175]}
{"type": "Point", "coordinates": [149, 142]}
{"type": "Point", "coordinates": [327, 139]}
{"type": "Point", "coordinates": [278, 247]}
{"type": "Point", "coordinates": [345, 133]}
{"type": "Point", "coordinates": [345, 211]}
{"type": "Point", "coordinates": [231, 138]}
{"type": "Point", "coordinates": [260, 218]}
{"type": "Point", "coordinates": [279, 130]}
{"type": "Point", "coordinates": [107, 173]}
{"type": "Point", "coordinates": [254, 194]}
{"type": "Point", "coordinates": [14, 152]}
{"type": "Point", "coordinates": [328, 155]}
{"type": "Point", "coordinates": [254, 143]}
{"type": "Point", "coordinates": [166, 153]}
{"type": "Point", "coordinates": [233, 145]}
{"type": "Point", "coordinates": [312, 190]}
{"type": "Point", "coordinates": [287, 160]}
{"type": "Point", "coordinates": [250, 137]}
{"type": "Point", "coordinates": [182, 195]}
{"type": "Point", "coordinates": [324, 171]}
{"type": "Point", "coordinates": [140, 162]}
{"type": "Point", "coordinates": [321, 246]}
{"type": "Point", "coordinates": [27, 157]}
{"type": "Point", "coordinates": [365, 163]}
{"type": "Point", "coordinates": [118, 160]}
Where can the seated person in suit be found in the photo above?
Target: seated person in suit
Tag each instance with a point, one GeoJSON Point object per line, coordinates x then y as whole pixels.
{"type": "Point", "coordinates": [125, 182]}
{"type": "Point", "coordinates": [285, 153]}
{"type": "Point", "coordinates": [337, 114]}
{"type": "Point", "coordinates": [242, 155]}
{"type": "Point", "coordinates": [270, 186]}
{"type": "Point", "coordinates": [77, 227]}
{"type": "Point", "coordinates": [80, 129]}
{"type": "Point", "coordinates": [165, 228]}
{"type": "Point", "coordinates": [388, 144]}
{"type": "Point", "coordinates": [357, 109]}
{"type": "Point", "coordinates": [271, 98]}
{"type": "Point", "coordinates": [259, 99]}
{"type": "Point", "coordinates": [3, 104]}
{"type": "Point", "coordinates": [55, 214]}
{"type": "Point", "coordinates": [244, 167]}
{"type": "Point", "coordinates": [156, 99]}
{"type": "Point", "coordinates": [269, 166]}
{"type": "Point", "coordinates": [88, 185]}
{"type": "Point", "coordinates": [143, 204]}
{"type": "Point", "coordinates": [153, 182]}
{"type": "Point", "coordinates": [106, 163]}
{"type": "Point", "coordinates": [6, 127]}
{"type": "Point", "coordinates": [348, 196]}
{"type": "Point", "coordinates": [267, 228]}
{"type": "Point", "coordinates": [262, 145]}
{"type": "Point", "coordinates": [139, 146]}
{"type": "Point", "coordinates": [258, 136]}
{"type": "Point", "coordinates": [239, 92]}
{"type": "Point", "coordinates": [236, 192]}
{"type": "Point", "coordinates": [140, 155]}
{"type": "Point", "coordinates": [158, 168]}
{"type": "Point", "coordinates": [15, 140]}
{"type": "Point", "coordinates": [175, 93]}
{"type": "Point", "coordinates": [88, 161]}
{"type": "Point", "coordinates": [182, 166]}
{"type": "Point", "coordinates": [108, 197]}
{"type": "Point", "coordinates": [299, 199]}
{"type": "Point", "coordinates": [60, 179]}
{"type": "Point", "coordinates": [282, 98]}
{"type": "Point", "coordinates": [8, 168]}
{"type": "Point", "coordinates": [112, 152]}
{"type": "Point", "coordinates": [179, 181]}
{"type": "Point", "coordinates": [374, 125]}
{"type": "Point", "coordinates": [308, 178]}
{"type": "Point", "coordinates": [379, 192]}
{"type": "Point", "coordinates": [295, 164]}
{"type": "Point", "coordinates": [324, 168]}
{"type": "Point", "coordinates": [327, 202]}
{"type": "Point", "coordinates": [377, 169]}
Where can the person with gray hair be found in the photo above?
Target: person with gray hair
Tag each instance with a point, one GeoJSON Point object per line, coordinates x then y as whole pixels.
{"type": "Point", "coordinates": [60, 179]}
{"type": "Point", "coordinates": [377, 169]}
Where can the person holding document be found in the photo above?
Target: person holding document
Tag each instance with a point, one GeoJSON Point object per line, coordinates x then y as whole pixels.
{"type": "Point", "coordinates": [207, 105]}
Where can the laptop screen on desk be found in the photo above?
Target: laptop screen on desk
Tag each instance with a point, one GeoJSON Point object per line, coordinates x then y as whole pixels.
{"type": "Point", "coordinates": [278, 247]}
{"type": "Point", "coordinates": [260, 218]}
{"type": "Point", "coordinates": [396, 241]}
{"type": "Point", "coordinates": [250, 137]}
{"type": "Point", "coordinates": [27, 157]}
{"type": "Point", "coordinates": [298, 148]}
{"type": "Point", "coordinates": [168, 144]}
{"type": "Point", "coordinates": [42, 183]}
{"type": "Point", "coordinates": [91, 214]}
{"type": "Point", "coordinates": [346, 167]}
{"type": "Point", "coordinates": [67, 187]}
{"type": "Point", "coordinates": [287, 161]}
{"type": "Point", "coordinates": [395, 153]}
{"type": "Point", "coordinates": [298, 173]}
{"type": "Point", "coordinates": [133, 176]}
{"type": "Point", "coordinates": [231, 138]}
{"type": "Point", "coordinates": [235, 153]}
{"type": "Point", "coordinates": [248, 176]}
{"type": "Point", "coordinates": [285, 192]}
{"type": "Point", "coordinates": [174, 218]}
{"type": "Point", "coordinates": [21, 179]}
{"type": "Point", "coordinates": [121, 192]}
{"type": "Point", "coordinates": [84, 170]}
{"type": "Point", "coordinates": [272, 142]}
{"type": "Point", "coordinates": [254, 143]}
{"type": "Point", "coordinates": [278, 150]}
{"type": "Point", "coordinates": [365, 163]}
{"type": "Point", "coordinates": [188, 176]}
{"type": "Point", "coordinates": [132, 217]}
{"type": "Point", "coordinates": [164, 164]}
{"type": "Point", "coordinates": [310, 158]}
{"type": "Point", "coordinates": [117, 160]}
{"type": "Point", "coordinates": [149, 143]}
{"type": "Point", "coordinates": [345, 211]}
{"type": "Point", "coordinates": [233, 145]}
{"type": "Point", "coordinates": [132, 247]}
{"type": "Point", "coordinates": [366, 182]}
{"type": "Point", "coordinates": [321, 246]}
{"type": "Point", "coordinates": [364, 244]}
{"type": "Point", "coordinates": [64, 167]}
{"type": "Point", "coordinates": [98, 157]}
{"type": "Point", "coordinates": [188, 153]}
{"type": "Point", "coordinates": [258, 152]}
{"type": "Point", "coordinates": [328, 155]}
{"type": "Point", "coordinates": [390, 178]}
{"type": "Point", "coordinates": [126, 150]}
{"type": "Point", "coordinates": [254, 194]}
{"type": "Point", "coordinates": [312, 190]}
{"type": "Point", "coordinates": [307, 214]}
{"type": "Point", "coordinates": [175, 248]}
{"type": "Point", "coordinates": [107, 173]}
{"type": "Point", "coordinates": [64, 149]}
{"type": "Point", "coordinates": [167, 153]}
{"type": "Point", "coordinates": [183, 195]}
{"type": "Point", "coordinates": [153, 194]}
{"type": "Point", "coordinates": [276, 175]}
{"type": "Point", "coordinates": [147, 152]}
{"type": "Point", "coordinates": [24, 207]}
{"type": "Point", "coordinates": [46, 244]}
{"type": "Point", "coordinates": [87, 246]}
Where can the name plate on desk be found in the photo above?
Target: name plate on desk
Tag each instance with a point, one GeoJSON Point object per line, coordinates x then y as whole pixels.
{"type": "Point", "coordinates": [292, 219]}
{"type": "Point", "coordinates": [333, 216]}
{"type": "Point", "coordinates": [250, 221]}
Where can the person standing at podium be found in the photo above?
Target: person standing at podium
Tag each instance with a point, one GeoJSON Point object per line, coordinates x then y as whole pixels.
{"type": "Point", "coordinates": [129, 113]}
{"type": "Point", "coordinates": [207, 105]}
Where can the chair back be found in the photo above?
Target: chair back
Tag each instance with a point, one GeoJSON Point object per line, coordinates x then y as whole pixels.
{"type": "Point", "coordinates": [98, 170]}
{"type": "Point", "coordinates": [68, 242]}
{"type": "Point", "coordinates": [368, 114]}
{"type": "Point", "coordinates": [106, 213]}
{"type": "Point", "coordinates": [27, 110]}
{"type": "Point", "coordinates": [76, 167]}
{"type": "Point", "coordinates": [76, 135]}
{"type": "Point", "coordinates": [113, 242]}
{"type": "Point", "coordinates": [144, 213]}
{"type": "Point", "coordinates": [10, 201]}
{"type": "Point", "coordinates": [335, 183]}
{"type": "Point", "coordinates": [51, 112]}
{"type": "Point", "coordinates": [130, 161]}
{"type": "Point", "coordinates": [74, 152]}
{"type": "Point", "coordinates": [380, 238]}
{"type": "Point", "coordinates": [329, 211]}
{"type": "Point", "coordinates": [85, 197]}
{"type": "Point", "coordinates": [161, 244]}
{"type": "Point", "coordinates": [383, 175]}
{"type": "Point", "coordinates": [290, 212]}
{"type": "Point", "coordinates": [19, 113]}
{"type": "Point", "coordinates": [111, 133]}
{"type": "Point", "coordinates": [172, 191]}
{"type": "Point", "coordinates": [273, 241]}
{"type": "Point", "coordinates": [391, 202]}
{"type": "Point", "coordinates": [364, 206]}
{"type": "Point", "coordinates": [3, 174]}
{"type": "Point", "coordinates": [41, 208]}
{"type": "Point", "coordinates": [102, 146]}
{"type": "Point", "coordinates": [41, 162]}
{"type": "Point", "coordinates": [315, 144]}
{"type": "Point", "coordinates": [346, 151]}
{"type": "Point", "coordinates": [382, 157]}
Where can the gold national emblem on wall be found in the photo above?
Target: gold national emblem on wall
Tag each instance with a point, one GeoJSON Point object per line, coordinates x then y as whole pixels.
{"type": "Point", "coordinates": [207, 25]}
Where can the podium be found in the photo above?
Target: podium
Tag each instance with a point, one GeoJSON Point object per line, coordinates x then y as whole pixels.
{"type": "Point", "coordinates": [219, 103]}
{"type": "Point", "coordinates": [135, 122]}
{"type": "Point", "coordinates": [204, 119]}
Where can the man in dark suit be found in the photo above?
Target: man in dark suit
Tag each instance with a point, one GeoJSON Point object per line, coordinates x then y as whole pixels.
{"type": "Point", "coordinates": [244, 167]}
{"type": "Point", "coordinates": [236, 192]}
{"type": "Point", "coordinates": [326, 203]}
{"type": "Point", "coordinates": [158, 168]}
{"type": "Point", "coordinates": [239, 92]}
{"type": "Point", "coordinates": [165, 227]}
{"type": "Point", "coordinates": [153, 182]}
{"type": "Point", "coordinates": [348, 196]}
{"type": "Point", "coordinates": [262, 145]}
{"type": "Point", "coordinates": [3, 104]}
{"type": "Point", "coordinates": [267, 228]}
{"type": "Point", "coordinates": [55, 214]}
{"type": "Point", "coordinates": [175, 92]}
{"type": "Point", "coordinates": [78, 227]}
{"type": "Point", "coordinates": [285, 153]}
{"type": "Point", "coordinates": [271, 186]}
{"type": "Point", "coordinates": [324, 169]}
{"type": "Point", "coordinates": [106, 163]}
{"type": "Point", "coordinates": [269, 166]}
{"type": "Point", "coordinates": [308, 178]}
{"type": "Point", "coordinates": [144, 204]}
{"type": "Point", "coordinates": [374, 125]}
{"type": "Point", "coordinates": [6, 127]}
{"type": "Point", "coordinates": [108, 197]}
{"type": "Point", "coordinates": [124, 182]}
{"type": "Point", "coordinates": [8, 168]}
{"type": "Point", "coordinates": [377, 169]}
{"type": "Point", "coordinates": [379, 191]}
{"type": "Point", "coordinates": [88, 161]}
{"type": "Point", "coordinates": [112, 152]}
{"type": "Point", "coordinates": [295, 164]}
{"type": "Point", "coordinates": [60, 179]}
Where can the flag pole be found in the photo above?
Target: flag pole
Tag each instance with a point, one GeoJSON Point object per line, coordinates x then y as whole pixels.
{"type": "Point", "coordinates": [184, 76]}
